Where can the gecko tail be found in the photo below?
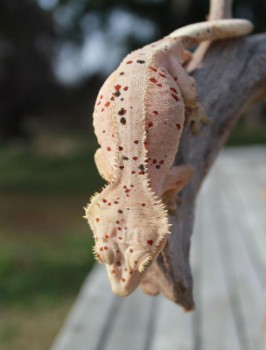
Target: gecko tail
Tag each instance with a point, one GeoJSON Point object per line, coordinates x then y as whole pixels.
{"type": "Point", "coordinates": [212, 30]}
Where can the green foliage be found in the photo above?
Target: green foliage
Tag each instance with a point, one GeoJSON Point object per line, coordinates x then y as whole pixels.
{"type": "Point", "coordinates": [37, 268]}
{"type": "Point", "coordinates": [45, 244]}
{"type": "Point", "coordinates": [31, 173]}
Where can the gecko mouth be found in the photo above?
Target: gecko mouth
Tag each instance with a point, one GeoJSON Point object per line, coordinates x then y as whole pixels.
{"type": "Point", "coordinates": [123, 283]}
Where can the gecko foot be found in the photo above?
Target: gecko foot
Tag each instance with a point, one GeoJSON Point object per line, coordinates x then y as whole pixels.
{"type": "Point", "coordinates": [197, 118]}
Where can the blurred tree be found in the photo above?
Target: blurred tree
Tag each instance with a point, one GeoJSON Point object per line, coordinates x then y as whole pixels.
{"type": "Point", "coordinates": [41, 40]}
{"type": "Point", "coordinates": [26, 37]}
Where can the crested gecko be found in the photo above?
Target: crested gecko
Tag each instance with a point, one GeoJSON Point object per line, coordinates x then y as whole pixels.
{"type": "Point", "coordinates": [138, 119]}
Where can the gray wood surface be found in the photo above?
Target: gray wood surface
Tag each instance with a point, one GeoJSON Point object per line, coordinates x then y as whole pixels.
{"type": "Point", "coordinates": [228, 259]}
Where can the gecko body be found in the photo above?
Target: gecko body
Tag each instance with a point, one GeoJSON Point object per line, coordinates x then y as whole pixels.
{"type": "Point", "coordinates": [138, 120]}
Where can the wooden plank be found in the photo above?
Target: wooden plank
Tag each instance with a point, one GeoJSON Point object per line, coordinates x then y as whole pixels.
{"type": "Point", "coordinates": [87, 321]}
{"type": "Point", "coordinates": [217, 327]}
{"type": "Point", "coordinates": [130, 328]}
{"type": "Point", "coordinates": [173, 328]}
{"type": "Point", "coordinates": [229, 295]}
{"type": "Point", "coordinates": [247, 291]}
{"type": "Point", "coordinates": [248, 199]}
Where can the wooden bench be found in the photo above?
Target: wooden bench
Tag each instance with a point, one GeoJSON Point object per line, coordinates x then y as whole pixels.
{"type": "Point", "coordinates": [228, 261]}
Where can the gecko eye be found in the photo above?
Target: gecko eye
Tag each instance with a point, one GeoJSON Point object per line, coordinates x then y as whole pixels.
{"type": "Point", "coordinates": [145, 263]}
{"type": "Point", "coordinates": [138, 260]}
{"type": "Point", "coordinates": [105, 255]}
{"type": "Point", "coordinates": [108, 256]}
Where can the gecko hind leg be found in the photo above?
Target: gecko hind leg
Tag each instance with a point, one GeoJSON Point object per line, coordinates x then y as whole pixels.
{"type": "Point", "coordinates": [178, 178]}
{"type": "Point", "coordinates": [196, 117]}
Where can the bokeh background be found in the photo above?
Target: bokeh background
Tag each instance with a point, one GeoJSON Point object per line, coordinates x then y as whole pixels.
{"type": "Point", "coordinates": [54, 56]}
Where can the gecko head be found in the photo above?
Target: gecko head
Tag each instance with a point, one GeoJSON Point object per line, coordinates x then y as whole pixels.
{"type": "Point", "coordinates": [125, 263]}
{"type": "Point", "coordinates": [124, 243]}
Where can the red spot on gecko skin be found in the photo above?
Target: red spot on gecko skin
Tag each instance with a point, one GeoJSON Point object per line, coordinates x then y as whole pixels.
{"type": "Point", "coordinates": [101, 97]}
{"type": "Point", "coordinates": [120, 238]}
{"type": "Point", "coordinates": [143, 204]}
{"type": "Point", "coordinates": [123, 280]}
{"type": "Point", "coordinates": [135, 158]}
{"type": "Point", "coordinates": [104, 200]}
{"type": "Point", "coordinates": [160, 85]}
{"type": "Point", "coordinates": [115, 202]}
{"type": "Point", "coordinates": [178, 126]}
{"type": "Point", "coordinates": [108, 149]}
{"type": "Point", "coordinates": [133, 172]}
{"type": "Point", "coordinates": [150, 124]}
{"type": "Point", "coordinates": [109, 204]}
{"type": "Point", "coordinates": [155, 112]}
{"type": "Point", "coordinates": [162, 75]}
{"type": "Point", "coordinates": [98, 104]}
{"type": "Point", "coordinates": [175, 97]}
{"type": "Point", "coordinates": [122, 111]}
{"type": "Point", "coordinates": [152, 68]}
{"type": "Point", "coordinates": [161, 162]}
{"type": "Point", "coordinates": [174, 90]}
{"type": "Point", "coordinates": [118, 87]}
{"type": "Point", "coordinates": [129, 62]}
{"type": "Point", "coordinates": [97, 219]}
{"type": "Point", "coordinates": [154, 161]}
{"type": "Point", "coordinates": [126, 88]}
{"type": "Point", "coordinates": [150, 241]}
{"type": "Point", "coordinates": [127, 190]}
{"type": "Point", "coordinates": [102, 110]}
{"type": "Point", "coordinates": [107, 236]}
{"type": "Point", "coordinates": [119, 228]}
{"type": "Point", "coordinates": [105, 248]}
{"type": "Point", "coordinates": [136, 142]}
{"type": "Point", "coordinates": [121, 167]}
{"type": "Point", "coordinates": [120, 148]}
{"type": "Point", "coordinates": [153, 80]}
{"type": "Point", "coordinates": [107, 104]}
{"type": "Point", "coordinates": [175, 78]}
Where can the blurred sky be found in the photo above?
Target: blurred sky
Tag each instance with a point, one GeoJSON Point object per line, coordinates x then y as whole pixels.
{"type": "Point", "coordinates": [102, 47]}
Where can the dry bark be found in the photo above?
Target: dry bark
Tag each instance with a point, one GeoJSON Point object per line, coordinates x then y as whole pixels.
{"type": "Point", "coordinates": [230, 79]}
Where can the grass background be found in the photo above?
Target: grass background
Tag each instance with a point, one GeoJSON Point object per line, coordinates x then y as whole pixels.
{"type": "Point", "coordinates": [45, 244]}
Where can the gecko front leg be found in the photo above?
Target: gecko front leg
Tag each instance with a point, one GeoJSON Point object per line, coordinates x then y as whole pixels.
{"type": "Point", "coordinates": [103, 165]}
{"type": "Point", "coordinates": [178, 178]}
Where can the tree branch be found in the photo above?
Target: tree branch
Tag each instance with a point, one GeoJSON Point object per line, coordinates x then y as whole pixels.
{"type": "Point", "coordinates": [219, 9]}
{"type": "Point", "coordinates": [232, 77]}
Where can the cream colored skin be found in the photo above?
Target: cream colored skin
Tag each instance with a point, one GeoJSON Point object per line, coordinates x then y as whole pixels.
{"type": "Point", "coordinates": [138, 119]}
